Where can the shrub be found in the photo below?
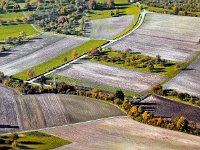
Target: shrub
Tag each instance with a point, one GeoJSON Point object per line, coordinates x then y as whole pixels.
{"type": "Point", "coordinates": [181, 96]}
{"type": "Point", "coordinates": [173, 93]}
{"type": "Point", "coordinates": [119, 95]}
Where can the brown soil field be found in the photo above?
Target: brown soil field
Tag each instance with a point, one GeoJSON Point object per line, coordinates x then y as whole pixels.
{"type": "Point", "coordinates": [173, 38]}
{"type": "Point", "coordinates": [112, 76]}
{"type": "Point", "coordinates": [171, 109]}
{"type": "Point", "coordinates": [122, 133]}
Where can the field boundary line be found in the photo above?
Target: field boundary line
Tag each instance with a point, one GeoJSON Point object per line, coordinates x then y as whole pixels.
{"type": "Point", "coordinates": [71, 124]}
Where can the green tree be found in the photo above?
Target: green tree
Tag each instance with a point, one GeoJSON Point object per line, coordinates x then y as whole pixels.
{"type": "Point", "coordinates": [119, 94]}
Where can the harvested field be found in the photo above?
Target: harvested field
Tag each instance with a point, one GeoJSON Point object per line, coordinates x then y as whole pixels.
{"type": "Point", "coordinates": [8, 110]}
{"type": "Point", "coordinates": [172, 109]}
{"type": "Point", "coordinates": [173, 38]}
{"type": "Point", "coordinates": [112, 76]}
{"type": "Point", "coordinates": [107, 28]}
{"type": "Point", "coordinates": [33, 53]}
{"type": "Point", "coordinates": [27, 112]}
{"type": "Point", "coordinates": [34, 44]}
{"type": "Point", "coordinates": [122, 133]}
{"type": "Point", "coordinates": [187, 81]}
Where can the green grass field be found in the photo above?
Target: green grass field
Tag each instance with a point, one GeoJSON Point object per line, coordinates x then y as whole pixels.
{"type": "Point", "coordinates": [78, 82]}
{"type": "Point", "coordinates": [36, 140]}
{"type": "Point", "coordinates": [59, 60]}
{"type": "Point", "coordinates": [122, 5]}
{"type": "Point", "coordinates": [11, 16]}
{"type": "Point", "coordinates": [14, 30]}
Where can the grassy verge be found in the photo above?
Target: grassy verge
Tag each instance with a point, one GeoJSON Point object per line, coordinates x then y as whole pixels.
{"type": "Point", "coordinates": [136, 13]}
{"type": "Point", "coordinates": [35, 140]}
{"type": "Point", "coordinates": [78, 82]}
{"type": "Point", "coordinates": [14, 30]}
{"type": "Point", "coordinates": [174, 98]}
{"type": "Point", "coordinates": [59, 60]}
{"type": "Point", "coordinates": [167, 70]}
{"type": "Point", "coordinates": [10, 16]}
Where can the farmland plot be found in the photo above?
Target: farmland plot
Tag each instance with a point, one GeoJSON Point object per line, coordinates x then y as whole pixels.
{"type": "Point", "coordinates": [172, 109]}
{"type": "Point", "coordinates": [34, 44]}
{"type": "Point", "coordinates": [107, 28]}
{"type": "Point", "coordinates": [173, 38]}
{"type": "Point", "coordinates": [122, 133]}
{"type": "Point", "coordinates": [111, 76]}
{"type": "Point", "coordinates": [8, 110]}
{"type": "Point", "coordinates": [41, 55]}
{"type": "Point", "coordinates": [28, 112]}
{"type": "Point", "coordinates": [188, 80]}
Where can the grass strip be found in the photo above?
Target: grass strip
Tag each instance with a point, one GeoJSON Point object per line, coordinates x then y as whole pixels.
{"type": "Point", "coordinates": [36, 140]}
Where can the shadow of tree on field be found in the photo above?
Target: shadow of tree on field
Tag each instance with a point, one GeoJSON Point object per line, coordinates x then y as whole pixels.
{"type": "Point", "coordinates": [31, 143]}
{"type": "Point", "coordinates": [9, 126]}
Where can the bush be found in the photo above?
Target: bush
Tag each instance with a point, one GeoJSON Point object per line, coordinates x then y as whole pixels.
{"type": "Point", "coordinates": [119, 95]}
{"type": "Point", "coordinates": [181, 96]}
{"type": "Point", "coordinates": [173, 93]}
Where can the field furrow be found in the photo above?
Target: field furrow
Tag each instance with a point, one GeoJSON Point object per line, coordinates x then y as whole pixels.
{"type": "Point", "coordinates": [31, 115]}
{"type": "Point", "coordinates": [8, 111]}
{"type": "Point", "coordinates": [53, 110]}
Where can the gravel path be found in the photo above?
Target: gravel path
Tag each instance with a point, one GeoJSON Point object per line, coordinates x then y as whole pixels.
{"type": "Point", "coordinates": [111, 76]}
{"type": "Point", "coordinates": [122, 133]}
{"type": "Point", "coordinates": [107, 28]}
{"type": "Point", "coordinates": [188, 80]}
{"type": "Point", "coordinates": [174, 38]}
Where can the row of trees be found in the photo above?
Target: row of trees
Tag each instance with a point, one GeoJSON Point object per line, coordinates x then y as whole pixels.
{"type": "Point", "coordinates": [8, 5]}
{"type": "Point", "coordinates": [177, 7]}
{"type": "Point", "coordinates": [158, 89]}
{"type": "Point", "coordinates": [68, 18]}
{"type": "Point", "coordinates": [135, 111]}
{"type": "Point", "coordinates": [93, 5]}
{"type": "Point", "coordinates": [13, 21]}
{"type": "Point", "coordinates": [16, 40]}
